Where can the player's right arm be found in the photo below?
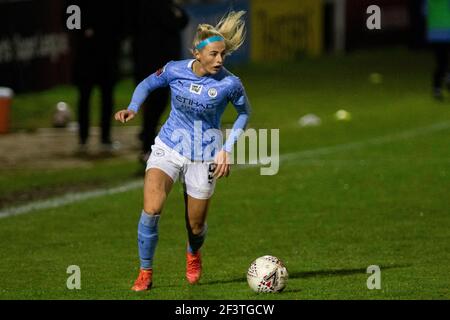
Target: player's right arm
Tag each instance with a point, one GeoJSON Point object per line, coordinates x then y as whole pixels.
{"type": "Point", "coordinates": [124, 115]}
{"type": "Point", "coordinates": [156, 80]}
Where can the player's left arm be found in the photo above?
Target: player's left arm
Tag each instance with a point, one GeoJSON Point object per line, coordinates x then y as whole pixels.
{"type": "Point", "coordinates": [238, 98]}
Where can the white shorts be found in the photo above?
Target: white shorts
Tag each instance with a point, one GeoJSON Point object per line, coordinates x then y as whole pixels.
{"type": "Point", "coordinates": [196, 176]}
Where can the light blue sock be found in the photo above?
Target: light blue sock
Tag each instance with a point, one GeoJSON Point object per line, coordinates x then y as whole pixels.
{"type": "Point", "coordinates": [196, 241]}
{"type": "Point", "coordinates": [147, 238]}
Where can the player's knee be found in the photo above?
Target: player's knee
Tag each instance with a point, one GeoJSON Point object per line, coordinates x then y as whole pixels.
{"type": "Point", "coordinates": [151, 212]}
{"type": "Point", "coordinates": [152, 209]}
{"type": "Point", "coordinates": [153, 202]}
{"type": "Point", "coordinates": [196, 228]}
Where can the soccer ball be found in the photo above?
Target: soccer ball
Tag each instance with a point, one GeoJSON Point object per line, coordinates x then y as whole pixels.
{"type": "Point", "coordinates": [267, 274]}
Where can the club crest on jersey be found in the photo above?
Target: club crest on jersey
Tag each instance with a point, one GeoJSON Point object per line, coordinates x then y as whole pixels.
{"type": "Point", "coordinates": [212, 92]}
{"type": "Point", "coordinates": [159, 152]}
{"type": "Point", "coordinates": [196, 88]}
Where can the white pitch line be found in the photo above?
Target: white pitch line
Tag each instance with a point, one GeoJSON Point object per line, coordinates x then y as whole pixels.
{"type": "Point", "coordinates": [81, 196]}
{"type": "Point", "coordinates": [358, 144]}
{"type": "Point", "coordinates": [374, 141]}
{"type": "Point", "coordinates": [68, 199]}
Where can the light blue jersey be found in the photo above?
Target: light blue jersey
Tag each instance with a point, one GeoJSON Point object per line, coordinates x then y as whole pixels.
{"type": "Point", "coordinates": [197, 105]}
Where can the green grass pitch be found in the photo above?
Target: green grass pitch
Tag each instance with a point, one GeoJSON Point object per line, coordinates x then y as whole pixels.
{"type": "Point", "coordinates": [327, 215]}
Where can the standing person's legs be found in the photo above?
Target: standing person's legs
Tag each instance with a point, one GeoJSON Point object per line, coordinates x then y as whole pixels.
{"type": "Point", "coordinates": [153, 109]}
{"type": "Point", "coordinates": [107, 90]}
{"type": "Point", "coordinates": [84, 90]}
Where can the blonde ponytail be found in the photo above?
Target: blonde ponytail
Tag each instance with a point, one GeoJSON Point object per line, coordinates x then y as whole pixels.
{"type": "Point", "coordinates": [231, 28]}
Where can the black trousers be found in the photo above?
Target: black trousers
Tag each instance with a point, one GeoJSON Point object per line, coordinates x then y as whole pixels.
{"type": "Point", "coordinates": [441, 53]}
{"type": "Point", "coordinates": [85, 90]}
{"type": "Point", "coordinates": [153, 108]}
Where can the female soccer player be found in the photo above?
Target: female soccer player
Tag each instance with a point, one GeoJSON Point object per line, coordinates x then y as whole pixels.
{"type": "Point", "coordinates": [189, 144]}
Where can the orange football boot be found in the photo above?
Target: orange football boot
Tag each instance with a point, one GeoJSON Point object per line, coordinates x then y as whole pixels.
{"type": "Point", "coordinates": [193, 267]}
{"type": "Point", "coordinates": [144, 280]}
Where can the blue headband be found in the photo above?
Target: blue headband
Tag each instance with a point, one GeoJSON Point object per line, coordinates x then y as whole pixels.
{"type": "Point", "coordinates": [207, 41]}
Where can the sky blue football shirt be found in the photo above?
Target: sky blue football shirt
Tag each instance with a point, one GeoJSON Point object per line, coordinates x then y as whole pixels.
{"type": "Point", "coordinates": [197, 105]}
